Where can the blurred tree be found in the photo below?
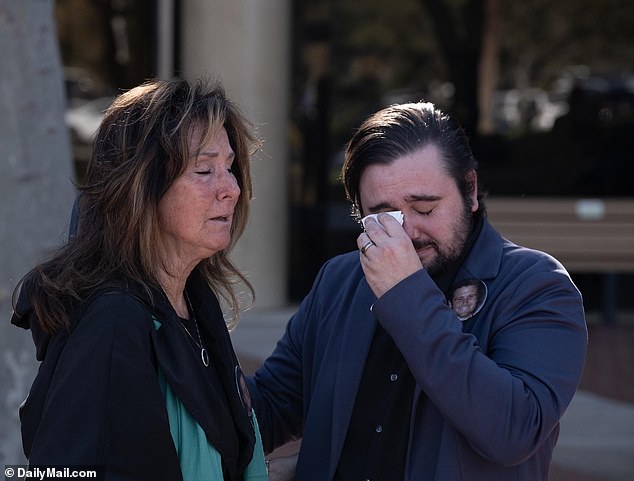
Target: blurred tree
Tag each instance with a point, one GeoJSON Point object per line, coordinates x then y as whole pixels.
{"type": "Point", "coordinates": [488, 70]}
{"type": "Point", "coordinates": [456, 53]}
{"type": "Point", "coordinates": [36, 190]}
{"type": "Point", "coordinates": [459, 28]}
{"type": "Point", "coordinates": [542, 38]}
{"type": "Point", "coordinates": [383, 52]}
{"type": "Point", "coordinates": [412, 49]}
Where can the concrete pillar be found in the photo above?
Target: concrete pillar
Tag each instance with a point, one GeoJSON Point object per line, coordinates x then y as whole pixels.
{"type": "Point", "coordinates": [36, 190]}
{"type": "Point", "coordinates": [245, 44]}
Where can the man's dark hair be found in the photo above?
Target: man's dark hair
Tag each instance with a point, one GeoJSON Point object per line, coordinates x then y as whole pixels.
{"type": "Point", "coordinates": [399, 130]}
{"type": "Point", "coordinates": [478, 284]}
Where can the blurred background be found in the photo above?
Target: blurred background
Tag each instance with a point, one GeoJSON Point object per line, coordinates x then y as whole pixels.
{"type": "Point", "coordinates": [544, 88]}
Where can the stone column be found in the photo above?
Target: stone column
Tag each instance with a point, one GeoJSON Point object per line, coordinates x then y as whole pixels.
{"type": "Point", "coordinates": [36, 190]}
{"type": "Point", "coordinates": [245, 44]}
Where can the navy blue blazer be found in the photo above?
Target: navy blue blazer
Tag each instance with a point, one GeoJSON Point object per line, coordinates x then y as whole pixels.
{"type": "Point", "coordinates": [490, 391]}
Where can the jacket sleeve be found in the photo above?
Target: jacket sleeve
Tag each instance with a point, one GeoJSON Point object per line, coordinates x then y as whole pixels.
{"type": "Point", "coordinates": [281, 388]}
{"type": "Point", "coordinates": [103, 406]}
{"type": "Point", "coordinates": [506, 389]}
{"type": "Point", "coordinates": [277, 389]}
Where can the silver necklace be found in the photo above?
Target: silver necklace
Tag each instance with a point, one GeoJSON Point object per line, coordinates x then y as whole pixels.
{"type": "Point", "coordinates": [204, 356]}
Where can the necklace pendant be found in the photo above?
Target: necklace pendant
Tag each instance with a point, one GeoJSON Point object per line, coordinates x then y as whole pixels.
{"type": "Point", "coordinates": [204, 357]}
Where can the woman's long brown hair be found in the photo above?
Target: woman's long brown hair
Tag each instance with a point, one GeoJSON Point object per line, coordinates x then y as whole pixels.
{"type": "Point", "coordinates": [141, 147]}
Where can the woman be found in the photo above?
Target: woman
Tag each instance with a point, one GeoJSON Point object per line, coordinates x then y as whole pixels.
{"type": "Point", "coordinates": [138, 374]}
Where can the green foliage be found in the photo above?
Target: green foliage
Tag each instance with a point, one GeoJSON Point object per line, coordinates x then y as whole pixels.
{"type": "Point", "coordinates": [385, 50]}
{"type": "Point", "coordinates": [544, 37]}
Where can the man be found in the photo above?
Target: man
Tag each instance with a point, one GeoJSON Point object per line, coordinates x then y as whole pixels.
{"type": "Point", "coordinates": [376, 373]}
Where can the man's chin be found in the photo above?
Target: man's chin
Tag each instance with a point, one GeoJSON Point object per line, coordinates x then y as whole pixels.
{"type": "Point", "coordinates": [436, 265]}
{"type": "Point", "coordinates": [431, 263]}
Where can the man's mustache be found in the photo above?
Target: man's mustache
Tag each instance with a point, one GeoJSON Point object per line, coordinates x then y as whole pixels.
{"type": "Point", "coordinates": [420, 244]}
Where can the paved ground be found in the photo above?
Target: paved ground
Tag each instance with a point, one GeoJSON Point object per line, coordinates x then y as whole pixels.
{"type": "Point", "coordinates": [609, 367]}
{"type": "Point", "coordinates": [597, 432]}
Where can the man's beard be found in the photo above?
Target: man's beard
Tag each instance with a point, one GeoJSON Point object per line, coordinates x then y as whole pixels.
{"type": "Point", "coordinates": [449, 254]}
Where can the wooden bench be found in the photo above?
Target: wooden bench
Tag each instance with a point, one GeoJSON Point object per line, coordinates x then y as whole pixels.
{"type": "Point", "coordinates": [586, 235]}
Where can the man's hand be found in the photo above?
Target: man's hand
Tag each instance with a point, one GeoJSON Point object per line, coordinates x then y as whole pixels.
{"type": "Point", "coordinates": [282, 468]}
{"type": "Point", "coordinates": [387, 254]}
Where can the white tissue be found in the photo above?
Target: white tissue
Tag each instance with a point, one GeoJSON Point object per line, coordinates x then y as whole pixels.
{"type": "Point", "coordinates": [397, 214]}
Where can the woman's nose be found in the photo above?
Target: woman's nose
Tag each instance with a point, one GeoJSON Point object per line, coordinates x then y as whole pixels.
{"type": "Point", "coordinates": [228, 188]}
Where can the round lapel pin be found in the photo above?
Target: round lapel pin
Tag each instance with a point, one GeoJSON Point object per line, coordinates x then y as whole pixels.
{"type": "Point", "coordinates": [467, 298]}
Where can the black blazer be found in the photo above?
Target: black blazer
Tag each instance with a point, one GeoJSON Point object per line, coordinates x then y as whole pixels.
{"type": "Point", "coordinates": [96, 400]}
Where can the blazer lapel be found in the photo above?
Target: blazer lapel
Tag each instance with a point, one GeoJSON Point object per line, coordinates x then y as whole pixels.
{"type": "Point", "coordinates": [173, 353]}
{"type": "Point", "coordinates": [184, 371]}
{"type": "Point", "coordinates": [483, 262]}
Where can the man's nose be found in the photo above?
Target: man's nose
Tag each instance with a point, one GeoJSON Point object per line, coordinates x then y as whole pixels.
{"type": "Point", "coordinates": [410, 229]}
